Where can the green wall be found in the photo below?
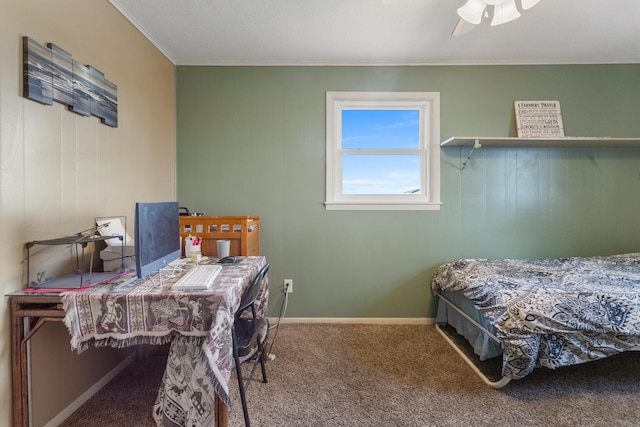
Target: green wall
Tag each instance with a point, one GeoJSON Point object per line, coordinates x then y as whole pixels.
{"type": "Point", "coordinates": [251, 141]}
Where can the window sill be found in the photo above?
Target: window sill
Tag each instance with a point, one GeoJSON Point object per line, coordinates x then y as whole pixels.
{"type": "Point", "coordinates": [335, 206]}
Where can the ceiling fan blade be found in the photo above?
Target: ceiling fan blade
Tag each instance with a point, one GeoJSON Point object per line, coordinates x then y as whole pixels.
{"type": "Point", "coordinates": [462, 27]}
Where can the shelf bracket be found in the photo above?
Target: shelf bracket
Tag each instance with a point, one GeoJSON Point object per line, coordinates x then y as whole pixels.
{"type": "Point", "coordinates": [476, 145]}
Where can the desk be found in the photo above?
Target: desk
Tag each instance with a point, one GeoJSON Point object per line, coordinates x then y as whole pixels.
{"type": "Point", "coordinates": [195, 386]}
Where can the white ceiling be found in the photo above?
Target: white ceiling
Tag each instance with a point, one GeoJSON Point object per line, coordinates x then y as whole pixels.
{"type": "Point", "coordinates": [383, 32]}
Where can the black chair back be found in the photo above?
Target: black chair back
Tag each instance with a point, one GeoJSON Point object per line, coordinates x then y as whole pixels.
{"type": "Point", "coordinates": [251, 293]}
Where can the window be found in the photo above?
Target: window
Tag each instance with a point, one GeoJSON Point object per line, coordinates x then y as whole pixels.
{"type": "Point", "coordinates": [383, 151]}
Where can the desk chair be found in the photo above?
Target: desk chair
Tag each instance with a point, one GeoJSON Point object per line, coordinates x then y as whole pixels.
{"type": "Point", "coordinates": [246, 337]}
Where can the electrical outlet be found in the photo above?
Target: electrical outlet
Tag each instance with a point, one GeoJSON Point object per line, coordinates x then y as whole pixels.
{"type": "Point", "coordinates": [288, 286]}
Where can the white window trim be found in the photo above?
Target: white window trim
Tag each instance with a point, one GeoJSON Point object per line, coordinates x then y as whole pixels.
{"type": "Point", "coordinates": [429, 147]}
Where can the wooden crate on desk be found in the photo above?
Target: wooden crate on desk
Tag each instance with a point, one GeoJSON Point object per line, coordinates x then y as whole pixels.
{"type": "Point", "coordinates": [243, 232]}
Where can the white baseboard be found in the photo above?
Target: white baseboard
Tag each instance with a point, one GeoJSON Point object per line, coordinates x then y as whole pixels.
{"type": "Point", "coordinates": [84, 397]}
{"type": "Point", "coordinates": [359, 320]}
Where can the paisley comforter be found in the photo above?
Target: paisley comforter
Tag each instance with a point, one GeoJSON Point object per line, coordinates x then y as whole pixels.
{"type": "Point", "coordinates": [553, 312]}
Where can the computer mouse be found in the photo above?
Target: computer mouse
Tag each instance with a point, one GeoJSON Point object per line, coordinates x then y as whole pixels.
{"type": "Point", "coordinates": [227, 260]}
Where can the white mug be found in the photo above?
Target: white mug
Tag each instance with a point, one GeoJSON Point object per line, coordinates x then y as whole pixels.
{"type": "Point", "coordinates": [223, 248]}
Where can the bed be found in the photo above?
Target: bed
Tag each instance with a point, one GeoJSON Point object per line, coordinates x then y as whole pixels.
{"type": "Point", "coordinates": [541, 313]}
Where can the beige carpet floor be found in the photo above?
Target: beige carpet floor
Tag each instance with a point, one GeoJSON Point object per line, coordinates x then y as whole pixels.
{"type": "Point", "coordinates": [389, 375]}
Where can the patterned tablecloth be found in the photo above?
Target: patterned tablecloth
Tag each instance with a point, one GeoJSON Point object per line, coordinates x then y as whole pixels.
{"type": "Point", "coordinates": [197, 323]}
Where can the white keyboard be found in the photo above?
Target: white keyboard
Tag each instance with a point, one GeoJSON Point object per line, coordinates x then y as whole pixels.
{"type": "Point", "coordinates": [199, 277]}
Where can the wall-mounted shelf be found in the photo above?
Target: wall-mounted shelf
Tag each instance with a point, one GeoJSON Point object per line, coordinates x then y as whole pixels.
{"type": "Point", "coordinates": [475, 142]}
{"type": "Point", "coordinates": [570, 141]}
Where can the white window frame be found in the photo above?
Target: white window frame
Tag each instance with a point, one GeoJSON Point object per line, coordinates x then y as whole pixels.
{"type": "Point", "coordinates": [428, 103]}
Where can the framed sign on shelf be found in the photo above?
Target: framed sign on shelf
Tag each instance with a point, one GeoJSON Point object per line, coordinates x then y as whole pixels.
{"type": "Point", "coordinates": [538, 119]}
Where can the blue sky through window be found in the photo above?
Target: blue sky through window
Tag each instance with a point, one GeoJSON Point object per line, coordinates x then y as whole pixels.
{"type": "Point", "coordinates": [380, 173]}
{"type": "Point", "coordinates": [380, 129]}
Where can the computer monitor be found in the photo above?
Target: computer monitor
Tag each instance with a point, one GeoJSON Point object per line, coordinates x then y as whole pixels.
{"type": "Point", "coordinates": [156, 235]}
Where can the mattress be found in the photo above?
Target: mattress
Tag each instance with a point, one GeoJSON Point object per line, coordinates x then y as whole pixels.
{"type": "Point", "coordinates": [548, 313]}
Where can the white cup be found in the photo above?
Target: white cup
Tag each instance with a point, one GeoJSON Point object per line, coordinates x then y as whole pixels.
{"type": "Point", "coordinates": [223, 248]}
{"type": "Point", "coordinates": [195, 253]}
